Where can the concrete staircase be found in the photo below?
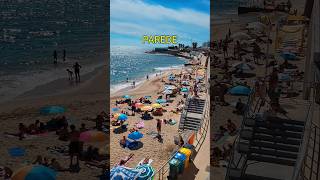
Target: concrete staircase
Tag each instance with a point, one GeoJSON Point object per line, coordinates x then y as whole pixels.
{"type": "Point", "coordinates": [191, 117]}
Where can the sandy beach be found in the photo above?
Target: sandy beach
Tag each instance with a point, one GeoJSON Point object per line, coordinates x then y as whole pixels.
{"type": "Point", "coordinates": [159, 152]}
{"type": "Point", "coordinates": [83, 102]}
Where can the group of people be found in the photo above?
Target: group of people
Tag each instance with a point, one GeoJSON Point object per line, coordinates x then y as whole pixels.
{"type": "Point", "coordinates": [76, 68]}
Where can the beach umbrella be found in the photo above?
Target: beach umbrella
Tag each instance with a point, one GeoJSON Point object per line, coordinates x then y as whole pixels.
{"type": "Point", "coordinates": [240, 36]}
{"type": "Point", "coordinates": [122, 117]}
{"type": "Point", "coordinates": [138, 105]}
{"type": "Point", "coordinates": [16, 152]}
{"type": "Point", "coordinates": [184, 89]}
{"type": "Point", "coordinates": [185, 83]}
{"type": "Point", "coordinates": [126, 97]}
{"type": "Point", "coordinates": [136, 135]}
{"type": "Point", "coordinates": [240, 90]}
{"type": "Point", "coordinates": [170, 87]}
{"type": "Point", "coordinates": [116, 115]}
{"type": "Point", "coordinates": [288, 56]}
{"type": "Point", "coordinates": [257, 26]}
{"type": "Point", "coordinates": [284, 77]}
{"type": "Point", "coordinates": [167, 91]}
{"type": "Point", "coordinates": [243, 66]}
{"type": "Point", "coordinates": [34, 172]}
{"type": "Point", "coordinates": [146, 108]}
{"type": "Point", "coordinates": [160, 101]}
{"type": "Point", "coordinates": [124, 173]}
{"type": "Point", "coordinates": [93, 136]}
{"type": "Point", "coordinates": [147, 172]}
{"type": "Point", "coordinates": [156, 105]}
{"type": "Point", "coordinates": [52, 110]}
{"type": "Point", "coordinates": [115, 109]}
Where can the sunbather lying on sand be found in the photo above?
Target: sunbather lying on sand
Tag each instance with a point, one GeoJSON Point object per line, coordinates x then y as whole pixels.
{"type": "Point", "coordinates": [55, 165]}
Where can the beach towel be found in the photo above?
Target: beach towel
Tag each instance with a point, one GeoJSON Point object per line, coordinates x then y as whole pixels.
{"type": "Point", "coordinates": [124, 173]}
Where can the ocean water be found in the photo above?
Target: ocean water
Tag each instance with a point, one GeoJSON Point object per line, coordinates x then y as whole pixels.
{"type": "Point", "coordinates": [31, 30]}
{"type": "Point", "coordinates": [135, 64]}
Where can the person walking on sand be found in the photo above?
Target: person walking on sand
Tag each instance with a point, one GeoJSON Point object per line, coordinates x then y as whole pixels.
{"type": "Point", "coordinates": [76, 68]}
{"type": "Point", "coordinates": [70, 74]}
{"type": "Point", "coordinates": [147, 77]}
{"type": "Point", "coordinates": [159, 126]}
{"type": "Point", "coordinates": [55, 57]}
{"type": "Point", "coordinates": [74, 146]}
{"type": "Point", "coordinates": [225, 49]}
{"type": "Point", "coordinates": [134, 84]}
{"type": "Point", "coordinates": [64, 55]}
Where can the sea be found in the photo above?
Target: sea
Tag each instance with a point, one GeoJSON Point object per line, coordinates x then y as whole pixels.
{"type": "Point", "coordinates": [135, 64]}
{"type": "Point", "coordinates": [31, 30]}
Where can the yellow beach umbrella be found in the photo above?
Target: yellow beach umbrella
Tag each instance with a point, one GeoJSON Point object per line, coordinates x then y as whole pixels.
{"type": "Point", "coordinates": [156, 105]}
{"type": "Point", "coordinates": [146, 108]}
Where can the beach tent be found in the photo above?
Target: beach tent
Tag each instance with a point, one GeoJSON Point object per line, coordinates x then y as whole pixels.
{"type": "Point", "coordinates": [243, 66]}
{"type": "Point", "coordinates": [124, 173]}
{"type": "Point", "coordinates": [122, 117]}
{"type": "Point", "coordinates": [93, 136]}
{"type": "Point", "coordinates": [52, 110]}
{"type": "Point", "coordinates": [240, 90]}
{"type": "Point", "coordinates": [160, 101]}
{"type": "Point", "coordinates": [136, 135]}
{"type": "Point", "coordinates": [147, 172]}
{"type": "Point", "coordinates": [240, 36]}
{"type": "Point", "coordinates": [34, 172]}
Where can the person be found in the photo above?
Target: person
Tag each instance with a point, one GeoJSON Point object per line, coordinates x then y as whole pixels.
{"type": "Point", "coordinates": [55, 165]}
{"type": "Point", "coordinates": [133, 108]}
{"type": "Point", "coordinates": [181, 141]}
{"type": "Point", "coordinates": [229, 32]}
{"type": "Point", "coordinates": [22, 131]}
{"type": "Point", "coordinates": [74, 146]}
{"type": "Point", "coordinates": [76, 68]}
{"type": "Point", "coordinates": [239, 107]}
{"type": "Point", "coordinates": [123, 142]}
{"type": "Point", "coordinates": [45, 162]}
{"type": "Point", "coordinates": [55, 57]}
{"type": "Point", "coordinates": [225, 49]}
{"type": "Point", "coordinates": [134, 84]}
{"type": "Point", "coordinates": [38, 160]}
{"type": "Point", "coordinates": [127, 79]}
{"type": "Point", "coordinates": [70, 74]}
{"type": "Point", "coordinates": [147, 77]}
{"type": "Point", "coordinates": [159, 126]}
{"type": "Point", "coordinates": [231, 126]}
{"type": "Point", "coordinates": [64, 55]}
{"type": "Point", "coordinates": [83, 128]}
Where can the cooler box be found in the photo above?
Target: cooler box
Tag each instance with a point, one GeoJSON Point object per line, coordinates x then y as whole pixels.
{"type": "Point", "coordinates": [186, 152]}
{"type": "Point", "coordinates": [174, 168]}
{"type": "Point", "coordinates": [182, 158]}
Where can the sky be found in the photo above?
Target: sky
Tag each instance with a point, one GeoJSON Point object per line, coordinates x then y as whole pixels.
{"type": "Point", "coordinates": [131, 19]}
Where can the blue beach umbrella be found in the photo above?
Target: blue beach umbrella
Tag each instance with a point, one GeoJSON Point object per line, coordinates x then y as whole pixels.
{"type": "Point", "coordinates": [288, 56]}
{"type": "Point", "coordinates": [16, 152]}
{"type": "Point", "coordinates": [115, 109]}
{"type": "Point", "coordinates": [126, 97]}
{"type": "Point", "coordinates": [52, 110]}
{"type": "Point", "coordinates": [240, 90]}
{"type": "Point", "coordinates": [147, 172]}
{"type": "Point", "coordinates": [184, 89]}
{"type": "Point", "coordinates": [135, 135]}
{"type": "Point", "coordinates": [122, 117]}
{"type": "Point", "coordinates": [160, 101]}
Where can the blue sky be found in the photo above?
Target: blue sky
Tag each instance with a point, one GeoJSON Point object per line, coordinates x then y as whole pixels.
{"type": "Point", "coordinates": [131, 19]}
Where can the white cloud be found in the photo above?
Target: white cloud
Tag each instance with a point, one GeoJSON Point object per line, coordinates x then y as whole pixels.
{"type": "Point", "coordinates": [136, 9]}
